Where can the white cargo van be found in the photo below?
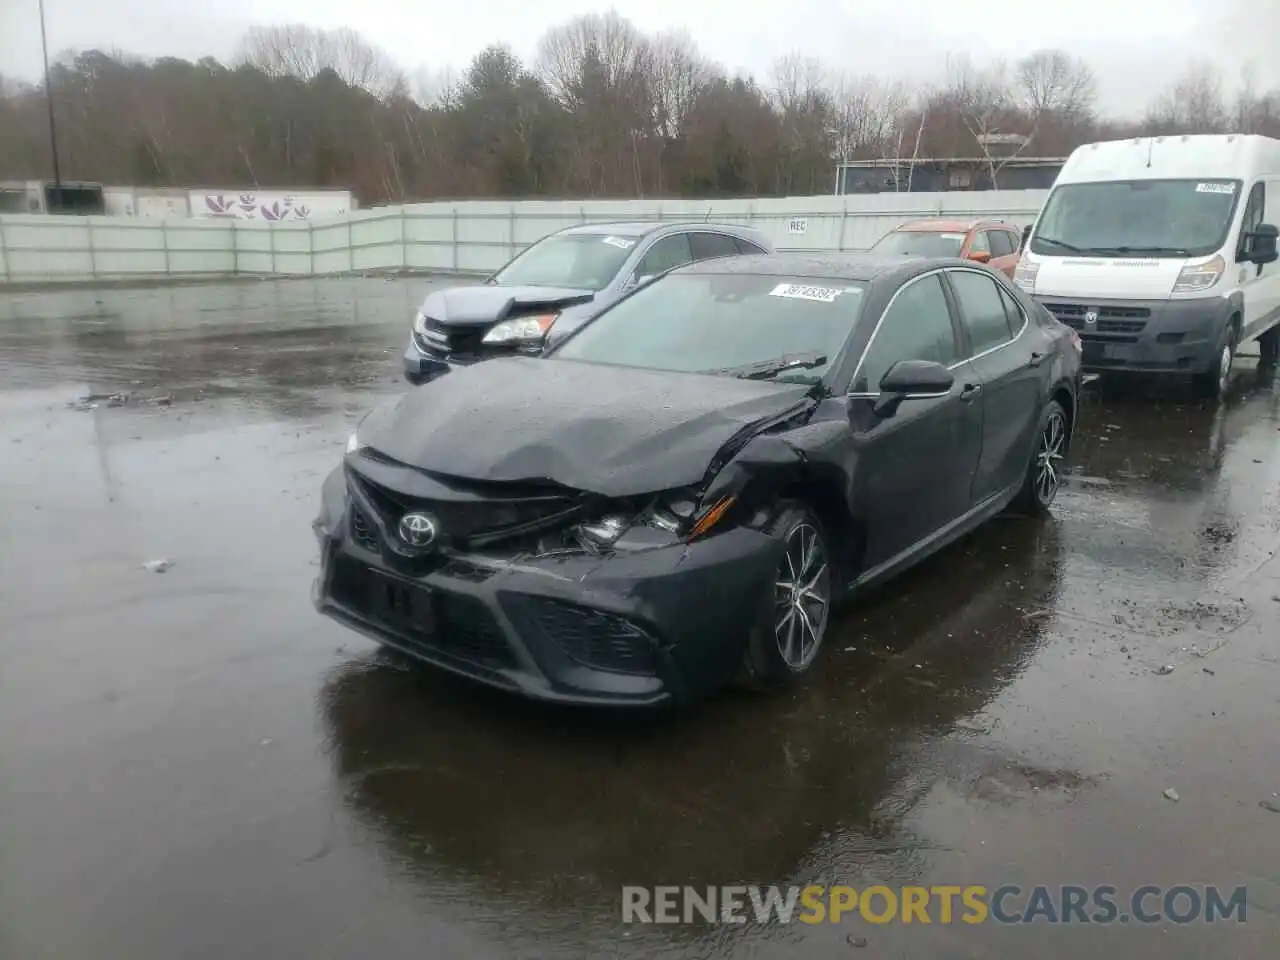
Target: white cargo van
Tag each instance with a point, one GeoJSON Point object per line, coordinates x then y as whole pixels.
{"type": "Point", "coordinates": [1160, 252]}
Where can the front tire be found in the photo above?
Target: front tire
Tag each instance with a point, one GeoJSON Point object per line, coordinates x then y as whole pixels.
{"type": "Point", "coordinates": [1269, 348]}
{"type": "Point", "coordinates": [1212, 384]}
{"type": "Point", "coordinates": [1044, 473]}
{"type": "Point", "coordinates": [785, 642]}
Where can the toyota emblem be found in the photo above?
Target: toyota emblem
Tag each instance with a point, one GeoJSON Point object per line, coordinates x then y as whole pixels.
{"type": "Point", "coordinates": [1091, 317]}
{"type": "Point", "coordinates": [418, 529]}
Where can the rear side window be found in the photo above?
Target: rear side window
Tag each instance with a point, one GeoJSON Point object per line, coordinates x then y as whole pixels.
{"type": "Point", "coordinates": [1002, 243]}
{"type": "Point", "coordinates": [1013, 311]}
{"type": "Point", "coordinates": [746, 246]}
{"type": "Point", "coordinates": [983, 308]}
{"type": "Point", "coordinates": [708, 245]}
{"type": "Point", "coordinates": [917, 326]}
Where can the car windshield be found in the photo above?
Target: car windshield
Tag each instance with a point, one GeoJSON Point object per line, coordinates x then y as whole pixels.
{"type": "Point", "coordinates": [1153, 218]}
{"type": "Point", "coordinates": [725, 323]}
{"type": "Point", "coordinates": [583, 261]}
{"type": "Point", "coordinates": [921, 243]}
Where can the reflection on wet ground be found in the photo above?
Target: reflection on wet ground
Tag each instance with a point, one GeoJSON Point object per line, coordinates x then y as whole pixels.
{"type": "Point", "coordinates": [194, 764]}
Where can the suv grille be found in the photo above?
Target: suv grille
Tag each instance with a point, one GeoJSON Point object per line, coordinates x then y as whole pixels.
{"type": "Point", "coordinates": [362, 531]}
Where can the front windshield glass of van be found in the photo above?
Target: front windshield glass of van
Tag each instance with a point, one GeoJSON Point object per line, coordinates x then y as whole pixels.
{"type": "Point", "coordinates": [582, 261]}
{"type": "Point", "coordinates": [920, 243]}
{"type": "Point", "coordinates": [1148, 218]}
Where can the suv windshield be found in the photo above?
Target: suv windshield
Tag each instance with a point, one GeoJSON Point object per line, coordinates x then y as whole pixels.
{"type": "Point", "coordinates": [1152, 218]}
{"type": "Point", "coordinates": [583, 261]}
{"type": "Point", "coordinates": [920, 243]}
{"type": "Point", "coordinates": [722, 323]}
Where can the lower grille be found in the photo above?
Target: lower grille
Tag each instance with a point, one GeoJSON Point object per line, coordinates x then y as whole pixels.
{"type": "Point", "coordinates": [594, 638]}
{"type": "Point", "coordinates": [1110, 319]}
{"type": "Point", "coordinates": [431, 621]}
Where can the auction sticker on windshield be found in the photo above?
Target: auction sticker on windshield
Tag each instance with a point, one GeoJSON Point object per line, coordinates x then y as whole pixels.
{"type": "Point", "coordinates": [796, 291]}
{"type": "Point", "coordinates": [1215, 188]}
{"type": "Point", "coordinates": [620, 243]}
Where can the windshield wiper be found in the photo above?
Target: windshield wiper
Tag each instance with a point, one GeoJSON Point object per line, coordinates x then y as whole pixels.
{"type": "Point", "coordinates": [1060, 243]}
{"type": "Point", "coordinates": [764, 369]}
{"type": "Point", "coordinates": [1171, 251]}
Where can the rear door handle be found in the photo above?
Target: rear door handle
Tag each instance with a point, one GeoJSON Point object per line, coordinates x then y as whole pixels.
{"type": "Point", "coordinates": [970, 391]}
{"type": "Point", "coordinates": [1037, 358]}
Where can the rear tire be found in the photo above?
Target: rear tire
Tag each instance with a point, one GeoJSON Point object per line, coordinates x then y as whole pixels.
{"type": "Point", "coordinates": [1045, 471]}
{"type": "Point", "coordinates": [1269, 348]}
{"type": "Point", "coordinates": [787, 637]}
{"type": "Point", "coordinates": [1212, 383]}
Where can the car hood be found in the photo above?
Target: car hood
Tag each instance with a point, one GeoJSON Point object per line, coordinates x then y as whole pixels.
{"type": "Point", "coordinates": [489, 303]}
{"type": "Point", "coordinates": [609, 430]}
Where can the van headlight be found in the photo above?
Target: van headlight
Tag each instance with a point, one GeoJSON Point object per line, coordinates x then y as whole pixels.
{"type": "Point", "coordinates": [523, 330]}
{"type": "Point", "coordinates": [1198, 277]}
{"type": "Point", "coordinates": [1024, 274]}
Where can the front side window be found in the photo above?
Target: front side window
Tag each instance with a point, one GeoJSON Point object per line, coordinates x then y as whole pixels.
{"type": "Point", "coordinates": [1254, 212]}
{"type": "Point", "coordinates": [708, 245]}
{"type": "Point", "coordinates": [1147, 218]}
{"type": "Point", "coordinates": [666, 254]}
{"type": "Point", "coordinates": [698, 322]}
{"type": "Point", "coordinates": [983, 309]}
{"type": "Point", "coordinates": [1002, 242]}
{"type": "Point", "coordinates": [920, 243]}
{"type": "Point", "coordinates": [580, 261]}
{"type": "Point", "coordinates": [980, 244]}
{"type": "Point", "coordinates": [917, 326]}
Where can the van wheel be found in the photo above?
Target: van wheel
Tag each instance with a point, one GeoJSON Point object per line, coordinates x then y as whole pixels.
{"type": "Point", "coordinates": [1212, 384]}
{"type": "Point", "coordinates": [1269, 347]}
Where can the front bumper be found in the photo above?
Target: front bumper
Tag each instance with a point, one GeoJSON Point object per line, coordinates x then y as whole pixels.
{"type": "Point", "coordinates": [1145, 336]}
{"type": "Point", "coordinates": [423, 362]}
{"type": "Point", "coordinates": [643, 628]}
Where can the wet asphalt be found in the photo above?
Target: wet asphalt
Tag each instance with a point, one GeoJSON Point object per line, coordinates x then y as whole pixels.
{"type": "Point", "coordinates": [194, 764]}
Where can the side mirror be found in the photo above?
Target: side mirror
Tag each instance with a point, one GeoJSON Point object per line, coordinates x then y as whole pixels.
{"type": "Point", "coordinates": [980, 256]}
{"type": "Point", "coordinates": [912, 380]}
{"type": "Point", "coordinates": [1026, 235]}
{"type": "Point", "coordinates": [1262, 243]}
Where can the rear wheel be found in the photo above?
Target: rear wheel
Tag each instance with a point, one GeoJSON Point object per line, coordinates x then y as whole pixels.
{"type": "Point", "coordinates": [787, 637]}
{"type": "Point", "coordinates": [1212, 383]}
{"type": "Point", "coordinates": [1269, 347]}
{"type": "Point", "coordinates": [1044, 472]}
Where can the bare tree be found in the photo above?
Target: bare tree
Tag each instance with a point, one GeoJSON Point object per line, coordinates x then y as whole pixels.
{"type": "Point", "coordinates": [1194, 104]}
{"type": "Point", "coordinates": [987, 103]}
{"type": "Point", "coordinates": [679, 74]}
{"type": "Point", "coordinates": [296, 50]}
{"type": "Point", "coordinates": [865, 116]}
{"type": "Point", "coordinates": [1053, 82]}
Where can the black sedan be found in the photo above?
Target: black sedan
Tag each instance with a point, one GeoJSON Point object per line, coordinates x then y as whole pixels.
{"type": "Point", "coordinates": [678, 493]}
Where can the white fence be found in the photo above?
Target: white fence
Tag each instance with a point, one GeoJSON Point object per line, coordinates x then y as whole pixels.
{"type": "Point", "coordinates": [466, 237]}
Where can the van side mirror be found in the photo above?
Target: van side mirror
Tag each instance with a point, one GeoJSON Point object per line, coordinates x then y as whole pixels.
{"type": "Point", "coordinates": [1026, 235]}
{"type": "Point", "coordinates": [1262, 244]}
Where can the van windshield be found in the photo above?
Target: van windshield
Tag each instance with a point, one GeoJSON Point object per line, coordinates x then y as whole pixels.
{"type": "Point", "coordinates": [1149, 218]}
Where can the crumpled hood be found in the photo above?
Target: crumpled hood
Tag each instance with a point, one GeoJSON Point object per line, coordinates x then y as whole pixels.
{"type": "Point", "coordinates": [607, 430]}
{"type": "Point", "coordinates": [490, 303]}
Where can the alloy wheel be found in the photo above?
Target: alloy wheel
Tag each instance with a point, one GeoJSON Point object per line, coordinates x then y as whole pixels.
{"type": "Point", "coordinates": [802, 597]}
{"type": "Point", "coordinates": [1049, 454]}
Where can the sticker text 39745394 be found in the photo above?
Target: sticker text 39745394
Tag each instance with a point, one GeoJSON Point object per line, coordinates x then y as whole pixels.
{"type": "Point", "coordinates": [798, 291]}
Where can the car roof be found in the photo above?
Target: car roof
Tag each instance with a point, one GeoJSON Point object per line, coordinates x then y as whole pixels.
{"type": "Point", "coordinates": [863, 267]}
{"type": "Point", "coordinates": [938, 225]}
{"type": "Point", "coordinates": [642, 228]}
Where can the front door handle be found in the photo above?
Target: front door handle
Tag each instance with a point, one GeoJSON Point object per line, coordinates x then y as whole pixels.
{"type": "Point", "coordinates": [970, 391]}
{"type": "Point", "coordinates": [1037, 358]}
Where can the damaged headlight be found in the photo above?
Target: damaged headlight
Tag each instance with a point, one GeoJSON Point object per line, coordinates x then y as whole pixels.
{"type": "Point", "coordinates": [353, 441]}
{"type": "Point", "coordinates": [523, 330]}
{"type": "Point", "coordinates": [672, 513]}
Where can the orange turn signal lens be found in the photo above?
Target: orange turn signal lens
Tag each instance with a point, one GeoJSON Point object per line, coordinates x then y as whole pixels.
{"type": "Point", "coordinates": [711, 516]}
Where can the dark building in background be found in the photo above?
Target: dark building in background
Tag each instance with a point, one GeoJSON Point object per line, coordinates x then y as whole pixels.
{"type": "Point", "coordinates": [928, 175]}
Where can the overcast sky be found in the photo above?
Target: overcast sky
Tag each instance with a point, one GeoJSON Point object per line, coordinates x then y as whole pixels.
{"type": "Point", "coordinates": [1136, 47]}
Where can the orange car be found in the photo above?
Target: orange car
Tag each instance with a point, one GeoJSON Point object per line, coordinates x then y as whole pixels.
{"type": "Point", "coordinates": [992, 242]}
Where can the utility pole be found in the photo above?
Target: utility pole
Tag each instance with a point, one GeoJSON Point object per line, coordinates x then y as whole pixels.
{"type": "Point", "coordinates": [48, 92]}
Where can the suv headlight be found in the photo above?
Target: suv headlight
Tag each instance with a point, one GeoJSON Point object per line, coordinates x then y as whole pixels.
{"type": "Point", "coordinates": [1024, 274]}
{"type": "Point", "coordinates": [420, 323]}
{"type": "Point", "coordinates": [1198, 277]}
{"type": "Point", "coordinates": [522, 330]}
